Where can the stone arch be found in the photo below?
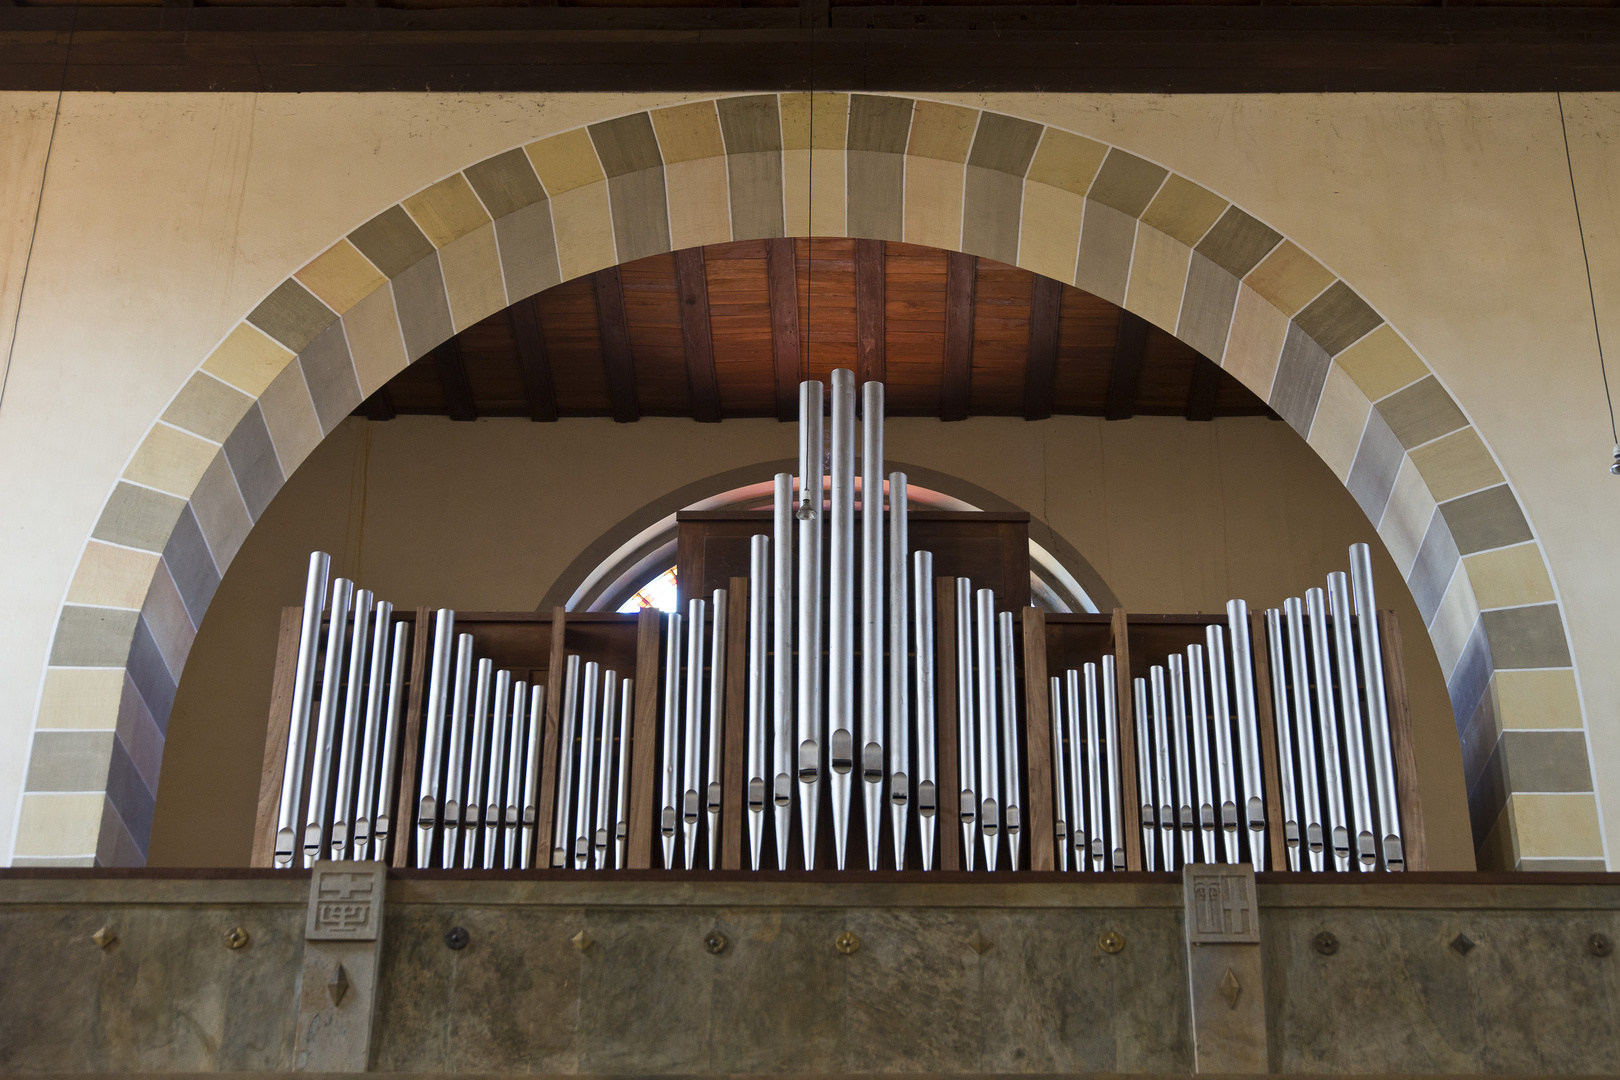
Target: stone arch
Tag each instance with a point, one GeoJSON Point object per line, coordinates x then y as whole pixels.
{"type": "Point", "coordinates": [828, 164]}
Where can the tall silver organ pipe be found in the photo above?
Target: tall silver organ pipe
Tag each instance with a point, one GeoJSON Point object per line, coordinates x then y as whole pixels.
{"type": "Point", "coordinates": [1082, 816]}
{"type": "Point", "coordinates": [812, 712]}
{"type": "Point", "coordinates": [1225, 768]}
{"type": "Point", "coordinates": [669, 813]}
{"type": "Point", "coordinates": [376, 695]}
{"type": "Point", "coordinates": [873, 720]}
{"type": "Point", "coordinates": [989, 759]}
{"type": "Point", "coordinates": [1237, 620]}
{"type": "Point", "coordinates": [1060, 794]}
{"type": "Point", "coordinates": [697, 620]}
{"type": "Point", "coordinates": [453, 794]}
{"type": "Point", "coordinates": [1281, 710]}
{"type": "Point", "coordinates": [427, 803]}
{"type": "Point", "coordinates": [531, 779]}
{"type": "Point", "coordinates": [1383, 756]}
{"type": "Point", "coordinates": [927, 732]}
{"type": "Point", "coordinates": [514, 774]}
{"type": "Point", "coordinates": [841, 613]}
{"type": "Point", "coordinates": [717, 711]}
{"type": "Point", "coordinates": [1161, 767]}
{"type": "Point", "coordinates": [383, 819]}
{"type": "Point", "coordinates": [1201, 753]}
{"type": "Point", "coordinates": [1327, 724]}
{"type": "Point", "coordinates": [900, 604]}
{"type": "Point", "coordinates": [967, 760]}
{"type": "Point", "coordinates": [781, 774]}
{"type": "Point", "coordinates": [589, 699]}
{"type": "Point", "coordinates": [1094, 774]}
{"type": "Point", "coordinates": [1144, 769]}
{"type": "Point", "coordinates": [1012, 802]}
{"type": "Point", "coordinates": [759, 553]}
{"type": "Point", "coordinates": [1185, 796]}
{"type": "Point", "coordinates": [1310, 802]}
{"type": "Point", "coordinates": [621, 817]}
{"type": "Point", "coordinates": [303, 697]}
{"type": "Point", "coordinates": [1350, 717]}
{"type": "Point", "coordinates": [320, 774]}
{"type": "Point", "coordinates": [500, 736]}
{"type": "Point", "coordinates": [602, 825]}
{"type": "Point", "coordinates": [565, 761]}
{"type": "Point", "coordinates": [353, 721]}
{"type": "Point", "coordinates": [470, 817]}
{"type": "Point", "coordinates": [1116, 813]}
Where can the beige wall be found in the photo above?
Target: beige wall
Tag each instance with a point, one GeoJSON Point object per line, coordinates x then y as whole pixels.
{"type": "Point", "coordinates": [1175, 516]}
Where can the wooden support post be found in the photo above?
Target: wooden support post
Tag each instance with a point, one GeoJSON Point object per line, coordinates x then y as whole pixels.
{"type": "Point", "coordinates": [403, 827]}
{"type": "Point", "coordinates": [1131, 812]}
{"type": "Point", "coordinates": [1402, 746]}
{"type": "Point", "coordinates": [1040, 815]}
{"type": "Point", "coordinates": [644, 740]}
{"type": "Point", "coordinates": [734, 763]}
{"type": "Point", "coordinates": [948, 784]}
{"type": "Point", "coordinates": [1265, 720]}
{"type": "Point", "coordinates": [275, 738]}
{"type": "Point", "coordinates": [549, 750]}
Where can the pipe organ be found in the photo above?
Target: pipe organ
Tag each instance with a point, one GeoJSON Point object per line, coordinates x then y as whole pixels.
{"type": "Point", "coordinates": [838, 643]}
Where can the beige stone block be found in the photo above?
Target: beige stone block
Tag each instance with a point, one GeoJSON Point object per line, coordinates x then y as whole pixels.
{"type": "Point", "coordinates": [565, 162]}
{"type": "Point", "coordinates": [1289, 278]}
{"type": "Point", "coordinates": [1510, 576]}
{"type": "Point", "coordinates": [1050, 238]}
{"type": "Point", "coordinates": [81, 699]}
{"type": "Point", "coordinates": [62, 825]}
{"type": "Point", "coordinates": [1184, 210]}
{"type": "Point", "coordinates": [208, 407]}
{"type": "Point", "coordinates": [584, 225]}
{"type": "Point", "coordinates": [1381, 363]}
{"type": "Point", "coordinates": [1453, 621]}
{"type": "Point", "coordinates": [819, 175]}
{"type": "Point", "coordinates": [110, 576]}
{"type": "Point", "coordinates": [1456, 465]}
{"type": "Point", "coordinates": [1066, 162]}
{"type": "Point", "coordinates": [1341, 416]}
{"type": "Point", "coordinates": [447, 211]}
{"type": "Point", "coordinates": [340, 276]}
{"type": "Point", "coordinates": [814, 121]}
{"type": "Point", "coordinates": [942, 132]}
{"type": "Point", "coordinates": [289, 416]}
{"type": "Point", "coordinates": [171, 460]}
{"type": "Point", "coordinates": [472, 277]}
{"type": "Point", "coordinates": [1158, 278]}
{"type": "Point", "coordinates": [688, 133]}
{"type": "Point", "coordinates": [1544, 699]}
{"type": "Point", "coordinates": [1562, 825]}
{"type": "Point", "coordinates": [1254, 345]}
{"type": "Point", "coordinates": [1406, 517]}
{"type": "Point", "coordinates": [933, 199]}
{"type": "Point", "coordinates": [169, 623]}
{"type": "Point", "coordinates": [248, 360]}
{"type": "Point", "coordinates": [699, 204]}
{"type": "Point", "coordinates": [221, 512]}
{"type": "Point", "coordinates": [375, 344]}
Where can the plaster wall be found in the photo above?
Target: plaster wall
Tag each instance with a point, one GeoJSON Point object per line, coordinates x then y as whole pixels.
{"type": "Point", "coordinates": [164, 218]}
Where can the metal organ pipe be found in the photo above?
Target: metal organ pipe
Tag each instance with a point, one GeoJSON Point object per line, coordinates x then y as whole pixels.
{"type": "Point", "coordinates": [759, 554]}
{"type": "Point", "coordinates": [500, 735]}
{"type": "Point", "coordinates": [475, 773]}
{"type": "Point", "coordinates": [621, 820]}
{"type": "Point", "coordinates": [989, 762]}
{"type": "Point", "coordinates": [1285, 749]}
{"type": "Point", "coordinates": [841, 611]}
{"type": "Point", "coordinates": [1161, 763]}
{"type": "Point", "coordinates": [1310, 803]}
{"type": "Point", "coordinates": [1060, 795]}
{"type": "Point", "coordinates": [589, 704]}
{"type": "Point", "coordinates": [1083, 827]}
{"type": "Point", "coordinates": [1186, 798]}
{"type": "Point", "coordinates": [1327, 724]}
{"type": "Point", "coordinates": [1094, 773]}
{"type": "Point", "coordinates": [1372, 662]}
{"type": "Point", "coordinates": [303, 696]}
{"type": "Point", "coordinates": [565, 761]}
{"type": "Point", "coordinates": [450, 840]}
{"type": "Point", "coordinates": [1116, 812]}
{"type": "Point", "coordinates": [717, 709]}
{"type": "Point", "coordinates": [353, 721]}
{"type": "Point", "coordinates": [514, 773]}
{"type": "Point", "coordinates": [873, 720]}
{"type": "Point", "coordinates": [1225, 768]}
{"type": "Point", "coordinates": [1201, 755]}
{"type": "Point", "coordinates": [427, 805]}
{"type": "Point", "coordinates": [531, 780]}
{"type": "Point", "coordinates": [966, 731]}
{"type": "Point", "coordinates": [899, 685]}
{"type": "Point", "coordinates": [320, 774]}
{"type": "Point", "coordinates": [697, 624]}
{"type": "Point", "coordinates": [384, 816]}
{"type": "Point", "coordinates": [376, 694]}
{"type": "Point", "coordinates": [668, 811]}
{"type": "Point", "coordinates": [927, 733]}
{"type": "Point", "coordinates": [604, 769]}
{"type": "Point", "coordinates": [1011, 800]}
{"type": "Point", "coordinates": [1144, 769]}
{"type": "Point", "coordinates": [1350, 717]}
{"type": "Point", "coordinates": [781, 775]}
{"type": "Point", "coordinates": [811, 713]}
{"type": "Point", "coordinates": [1237, 619]}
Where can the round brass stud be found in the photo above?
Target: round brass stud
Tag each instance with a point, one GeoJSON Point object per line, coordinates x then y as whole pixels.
{"type": "Point", "coordinates": [457, 938]}
{"type": "Point", "coordinates": [716, 942]}
{"type": "Point", "coordinates": [237, 938]}
{"type": "Point", "coordinates": [1326, 943]}
{"type": "Point", "coordinates": [1111, 942]}
{"type": "Point", "coordinates": [1599, 945]}
{"type": "Point", "coordinates": [847, 943]}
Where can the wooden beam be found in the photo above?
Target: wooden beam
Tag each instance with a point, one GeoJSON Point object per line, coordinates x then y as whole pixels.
{"type": "Point", "coordinates": [403, 827]}
{"type": "Point", "coordinates": [1402, 744]}
{"type": "Point", "coordinates": [275, 738]}
{"type": "Point", "coordinates": [617, 359]}
{"type": "Point", "coordinates": [644, 740]}
{"type": "Point", "coordinates": [961, 282]}
{"type": "Point", "coordinates": [1206, 381]}
{"type": "Point", "coordinates": [692, 285]}
{"type": "Point", "coordinates": [1040, 816]}
{"type": "Point", "coordinates": [458, 399]}
{"type": "Point", "coordinates": [948, 784]}
{"type": "Point", "coordinates": [734, 759]}
{"type": "Point", "coordinates": [533, 361]}
{"type": "Point", "coordinates": [1131, 811]}
{"type": "Point", "coordinates": [1129, 348]}
{"type": "Point", "coordinates": [869, 332]}
{"type": "Point", "coordinates": [556, 672]}
{"type": "Point", "coordinates": [379, 406]}
{"type": "Point", "coordinates": [782, 273]}
{"type": "Point", "coordinates": [1045, 304]}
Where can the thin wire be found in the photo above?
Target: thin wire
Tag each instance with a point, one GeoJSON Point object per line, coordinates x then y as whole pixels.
{"type": "Point", "coordinates": [1591, 294]}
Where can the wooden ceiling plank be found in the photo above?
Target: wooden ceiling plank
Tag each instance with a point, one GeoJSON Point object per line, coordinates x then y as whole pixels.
{"type": "Point", "coordinates": [781, 270]}
{"type": "Point", "coordinates": [453, 377]}
{"type": "Point", "coordinates": [1040, 374]}
{"type": "Point", "coordinates": [1129, 348]}
{"type": "Point", "coordinates": [692, 285]}
{"type": "Point", "coordinates": [870, 364]}
{"type": "Point", "coordinates": [617, 360]}
{"type": "Point", "coordinates": [533, 361]}
{"type": "Point", "coordinates": [1206, 383]}
{"type": "Point", "coordinates": [961, 281]}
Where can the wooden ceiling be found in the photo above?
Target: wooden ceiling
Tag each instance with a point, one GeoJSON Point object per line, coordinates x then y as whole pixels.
{"type": "Point", "coordinates": [729, 330]}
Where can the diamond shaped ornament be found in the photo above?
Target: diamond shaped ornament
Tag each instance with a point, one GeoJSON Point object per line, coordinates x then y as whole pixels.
{"type": "Point", "coordinates": [338, 986]}
{"type": "Point", "coordinates": [104, 937]}
{"type": "Point", "coordinates": [1463, 944]}
{"type": "Point", "coordinates": [1231, 989]}
{"type": "Point", "coordinates": [979, 943]}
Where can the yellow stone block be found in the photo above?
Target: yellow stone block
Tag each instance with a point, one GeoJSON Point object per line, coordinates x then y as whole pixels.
{"type": "Point", "coordinates": [1066, 162]}
{"type": "Point", "coordinates": [81, 699]}
{"type": "Point", "coordinates": [171, 460]}
{"type": "Point", "coordinates": [1341, 417]}
{"type": "Point", "coordinates": [688, 132]}
{"type": "Point", "coordinates": [248, 360]}
{"type": "Point", "coordinates": [1158, 278]}
{"type": "Point", "coordinates": [565, 162]}
{"type": "Point", "coordinates": [942, 132]}
{"type": "Point", "coordinates": [584, 226]}
{"type": "Point", "coordinates": [59, 825]}
{"type": "Point", "coordinates": [1456, 465]}
{"type": "Point", "coordinates": [1050, 240]}
{"type": "Point", "coordinates": [1184, 210]}
{"type": "Point", "coordinates": [110, 576]}
{"type": "Point", "coordinates": [1254, 344]}
{"type": "Point", "coordinates": [699, 210]}
{"type": "Point", "coordinates": [341, 276]}
{"type": "Point", "coordinates": [1381, 363]}
{"type": "Point", "coordinates": [1562, 825]}
{"type": "Point", "coordinates": [447, 211]}
{"type": "Point", "coordinates": [818, 121]}
{"type": "Point", "coordinates": [1510, 577]}
{"type": "Point", "coordinates": [1289, 278]}
{"type": "Point", "coordinates": [1546, 700]}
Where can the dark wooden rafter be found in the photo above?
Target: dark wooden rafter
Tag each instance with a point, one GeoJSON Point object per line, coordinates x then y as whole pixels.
{"type": "Point", "coordinates": [617, 360]}
{"type": "Point", "coordinates": [869, 329]}
{"type": "Point", "coordinates": [1129, 349]}
{"type": "Point", "coordinates": [1040, 375]}
{"type": "Point", "coordinates": [379, 406]}
{"type": "Point", "coordinates": [533, 361]}
{"type": "Point", "coordinates": [781, 268]}
{"type": "Point", "coordinates": [961, 282]}
{"type": "Point", "coordinates": [458, 396]}
{"type": "Point", "coordinates": [692, 286]}
{"type": "Point", "coordinates": [1206, 383]}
